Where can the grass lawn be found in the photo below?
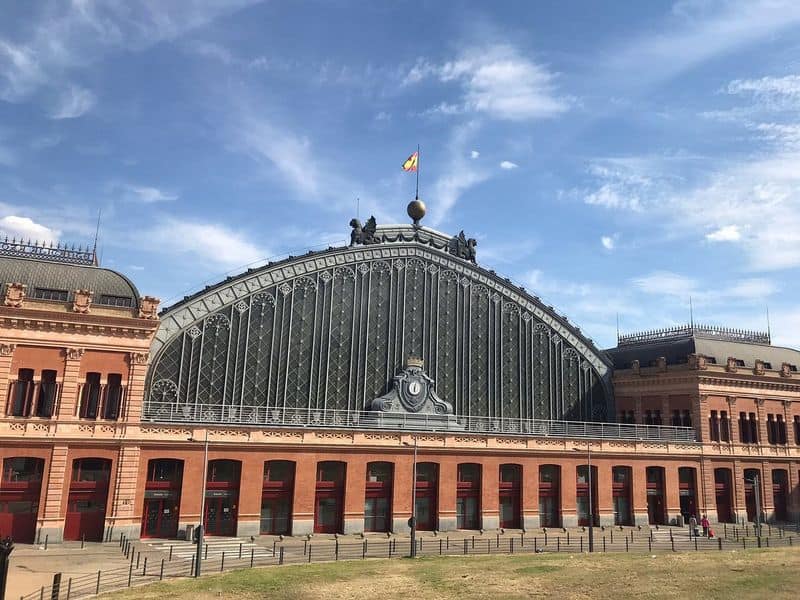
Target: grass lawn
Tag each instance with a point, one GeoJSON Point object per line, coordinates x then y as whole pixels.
{"type": "Point", "coordinates": [743, 574]}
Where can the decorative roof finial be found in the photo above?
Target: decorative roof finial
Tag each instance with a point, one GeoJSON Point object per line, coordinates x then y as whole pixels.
{"type": "Point", "coordinates": [416, 210]}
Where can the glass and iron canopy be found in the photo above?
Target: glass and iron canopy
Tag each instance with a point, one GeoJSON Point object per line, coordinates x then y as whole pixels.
{"type": "Point", "coordinates": [321, 337]}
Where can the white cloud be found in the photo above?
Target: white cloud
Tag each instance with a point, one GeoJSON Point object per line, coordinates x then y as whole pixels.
{"type": "Point", "coordinates": [619, 188]}
{"type": "Point", "coordinates": [496, 80]}
{"type": "Point", "coordinates": [148, 195]}
{"type": "Point", "coordinates": [74, 102]}
{"type": "Point", "coordinates": [681, 287]}
{"type": "Point", "coordinates": [729, 233]}
{"type": "Point", "coordinates": [666, 283]}
{"type": "Point", "coordinates": [771, 92]}
{"type": "Point", "coordinates": [508, 165]}
{"type": "Point", "coordinates": [207, 242]}
{"type": "Point", "coordinates": [474, 154]}
{"type": "Point", "coordinates": [609, 242]}
{"type": "Point", "coordinates": [26, 228]}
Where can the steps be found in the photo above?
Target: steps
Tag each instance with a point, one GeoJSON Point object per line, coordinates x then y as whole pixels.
{"type": "Point", "coordinates": [213, 548]}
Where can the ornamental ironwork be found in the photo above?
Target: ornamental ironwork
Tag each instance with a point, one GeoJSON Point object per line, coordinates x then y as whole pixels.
{"type": "Point", "coordinates": [329, 331]}
{"type": "Point", "coordinates": [61, 253]}
{"type": "Point", "coordinates": [682, 331]}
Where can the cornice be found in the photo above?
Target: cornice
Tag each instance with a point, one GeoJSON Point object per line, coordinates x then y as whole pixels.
{"type": "Point", "coordinates": [37, 320]}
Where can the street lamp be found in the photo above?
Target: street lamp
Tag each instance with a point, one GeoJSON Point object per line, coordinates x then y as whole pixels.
{"type": "Point", "coordinates": [413, 520]}
{"type": "Point", "coordinates": [198, 555]}
{"type": "Point", "coordinates": [757, 497]}
{"type": "Point", "coordinates": [591, 508]}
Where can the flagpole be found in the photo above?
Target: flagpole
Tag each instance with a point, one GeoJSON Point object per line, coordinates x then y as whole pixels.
{"type": "Point", "coordinates": [417, 194]}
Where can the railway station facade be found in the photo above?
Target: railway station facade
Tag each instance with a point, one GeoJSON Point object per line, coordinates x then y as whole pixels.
{"type": "Point", "coordinates": [294, 397]}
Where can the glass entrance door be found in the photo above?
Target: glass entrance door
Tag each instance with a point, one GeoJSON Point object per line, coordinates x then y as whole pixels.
{"type": "Point", "coordinates": [220, 518]}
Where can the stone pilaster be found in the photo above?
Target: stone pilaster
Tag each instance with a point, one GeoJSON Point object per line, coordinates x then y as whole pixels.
{"type": "Point", "coordinates": [68, 405]}
{"type": "Point", "coordinates": [530, 496]}
{"type": "Point", "coordinates": [51, 517]}
{"type": "Point", "coordinates": [122, 517]}
{"type": "Point", "coordinates": [135, 392]}
{"type": "Point", "coordinates": [6, 357]}
{"type": "Point", "coordinates": [733, 418]}
{"type": "Point", "coordinates": [354, 494]}
{"type": "Point", "coordinates": [761, 415]}
{"type": "Point", "coordinates": [637, 409]}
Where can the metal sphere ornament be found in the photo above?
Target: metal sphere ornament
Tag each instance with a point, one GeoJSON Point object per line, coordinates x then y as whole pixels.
{"type": "Point", "coordinates": [416, 210]}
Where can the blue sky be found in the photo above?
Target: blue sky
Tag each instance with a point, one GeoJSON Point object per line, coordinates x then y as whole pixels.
{"type": "Point", "coordinates": [611, 157]}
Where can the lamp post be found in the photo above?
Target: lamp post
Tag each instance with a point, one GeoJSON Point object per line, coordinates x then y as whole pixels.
{"type": "Point", "coordinates": [198, 554]}
{"type": "Point", "coordinates": [413, 520]}
{"type": "Point", "coordinates": [591, 507]}
{"type": "Point", "coordinates": [757, 498]}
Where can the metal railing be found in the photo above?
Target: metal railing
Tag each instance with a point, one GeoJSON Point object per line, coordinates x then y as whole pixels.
{"type": "Point", "coordinates": [255, 416]}
{"type": "Point", "coordinates": [681, 331]}
{"type": "Point", "coordinates": [148, 566]}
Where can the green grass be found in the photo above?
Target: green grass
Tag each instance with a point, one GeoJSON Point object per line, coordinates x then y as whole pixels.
{"type": "Point", "coordinates": [709, 575]}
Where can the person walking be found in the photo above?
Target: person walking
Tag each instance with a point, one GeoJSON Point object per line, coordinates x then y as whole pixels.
{"type": "Point", "coordinates": [704, 524]}
{"type": "Point", "coordinates": [693, 526]}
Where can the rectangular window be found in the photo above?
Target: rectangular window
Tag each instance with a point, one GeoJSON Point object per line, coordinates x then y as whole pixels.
{"type": "Point", "coordinates": [687, 418]}
{"type": "Point", "coordinates": [753, 429]}
{"type": "Point", "coordinates": [113, 402]}
{"type": "Point", "coordinates": [772, 437]}
{"type": "Point", "coordinates": [724, 427]}
{"type": "Point", "coordinates": [713, 424]}
{"type": "Point", "coordinates": [744, 428]}
{"type": "Point", "coordinates": [781, 429]}
{"type": "Point", "coordinates": [22, 394]}
{"type": "Point", "coordinates": [122, 301]}
{"type": "Point", "coordinates": [797, 430]}
{"type": "Point", "coordinates": [48, 388]}
{"type": "Point", "coordinates": [90, 396]}
{"type": "Point", "coordinates": [50, 294]}
{"type": "Point", "coordinates": [676, 418]}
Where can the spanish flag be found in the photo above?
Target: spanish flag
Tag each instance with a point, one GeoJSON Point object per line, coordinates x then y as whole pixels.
{"type": "Point", "coordinates": [411, 163]}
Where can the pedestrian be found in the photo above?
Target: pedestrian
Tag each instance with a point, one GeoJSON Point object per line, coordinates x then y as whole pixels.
{"type": "Point", "coordinates": [704, 524]}
{"type": "Point", "coordinates": [692, 526]}
{"type": "Point", "coordinates": [710, 533]}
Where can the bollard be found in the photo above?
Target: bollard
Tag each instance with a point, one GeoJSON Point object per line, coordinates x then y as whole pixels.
{"type": "Point", "coordinates": [170, 553]}
{"type": "Point", "coordinates": [137, 559]}
{"type": "Point", "coordinates": [650, 544]}
{"type": "Point", "coordinates": [473, 541]}
{"type": "Point", "coordinates": [719, 543]}
{"type": "Point", "coordinates": [767, 540]}
{"type": "Point", "coordinates": [46, 538]}
{"type": "Point", "coordinates": [305, 546]}
{"type": "Point", "coordinates": [144, 569]}
{"type": "Point", "coordinates": [206, 553]}
{"type": "Point", "coordinates": [558, 544]}
{"type": "Point", "coordinates": [604, 543]}
{"type": "Point", "coordinates": [581, 544]}
{"type": "Point", "coordinates": [55, 590]}
{"type": "Point", "coordinates": [535, 545]}
{"type": "Point", "coordinates": [672, 542]}
{"type": "Point", "coordinates": [724, 527]}
{"type": "Point", "coordinates": [253, 554]}
{"type": "Point", "coordinates": [337, 549]}
{"type": "Point", "coordinates": [626, 543]}
{"type": "Point", "coordinates": [670, 535]}
{"type": "Point", "coordinates": [363, 550]}
{"type": "Point", "coordinates": [488, 547]}
{"type": "Point", "coordinates": [240, 551]}
{"type": "Point", "coordinates": [273, 547]}
{"type": "Point", "coordinates": [790, 540]}
{"type": "Point", "coordinates": [83, 540]}
{"type": "Point", "coordinates": [161, 572]}
{"type": "Point", "coordinates": [612, 536]}
{"type": "Point", "coordinates": [447, 541]}
{"type": "Point", "coordinates": [465, 546]}
{"type": "Point", "coordinates": [97, 589]}
{"type": "Point", "coordinates": [130, 574]}
{"type": "Point", "coordinates": [69, 587]}
{"type": "Point", "coordinates": [440, 546]}
{"type": "Point", "coordinates": [695, 544]}
{"type": "Point", "coordinates": [280, 557]}
{"type": "Point", "coordinates": [498, 540]}
{"type": "Point", "coordinates": [744, 543]}
{"type": "Point", "coordinates": [568, 538]}
{"type": "Point", "coordinates": [512, 545]}
{"type": "Point", "coordinates": [222, 562]}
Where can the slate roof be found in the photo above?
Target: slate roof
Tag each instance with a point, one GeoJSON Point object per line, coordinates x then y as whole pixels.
{"type": "Point", "coordinates": [677, 346]}
{"type": "Point", "coordinates": [36, 273]}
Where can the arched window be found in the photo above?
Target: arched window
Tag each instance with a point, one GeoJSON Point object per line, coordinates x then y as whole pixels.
{"type": "Point", "coordinates": [510, 496]}
{"type": "Point", "coordinates": [276, 497]}
{"type": "Point", "coordinates": [468, 496]}
{"type": "Point", "coordinates": [550, 495]}
{"type": "Point", "coordinates": [378, 500]}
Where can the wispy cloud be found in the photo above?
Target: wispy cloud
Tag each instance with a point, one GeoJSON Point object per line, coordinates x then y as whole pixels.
{"type": "Point", "coordinates": [696, 33]}
{"type": "Point", "coordinates": [209, 242]}
{"type": "Point", "coordinates": [147, 194]}
{"type": "Point", "coordinates": [681, 287]}
{"type": "Point", "coordinates": [73, 102]}
{"type": "Point", "coordinates": [609, 242]}
{"type": "Point", "coordinates": [729, 233]}
{"type": "Point", "coordinates": [458, 174]}
{"type": "Point", "coordinates": [508, 165]}
{"type": "Point", "coordinates": [498, 81]}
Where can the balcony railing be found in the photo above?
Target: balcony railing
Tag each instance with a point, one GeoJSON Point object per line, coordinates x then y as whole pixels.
{"type": "Point", "coordinates": [261, 416]}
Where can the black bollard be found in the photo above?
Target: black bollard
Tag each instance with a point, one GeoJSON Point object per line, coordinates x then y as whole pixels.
{"type": "Point", "coordinates": [6, 548]}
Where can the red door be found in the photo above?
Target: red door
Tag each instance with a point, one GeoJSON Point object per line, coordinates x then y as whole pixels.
{"type": "Point", "coordinates": [86, 512]}
{"type": "Point", "coordinates": [220, 517]}
{"type": "Point", "coordinates": [160, 517]}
